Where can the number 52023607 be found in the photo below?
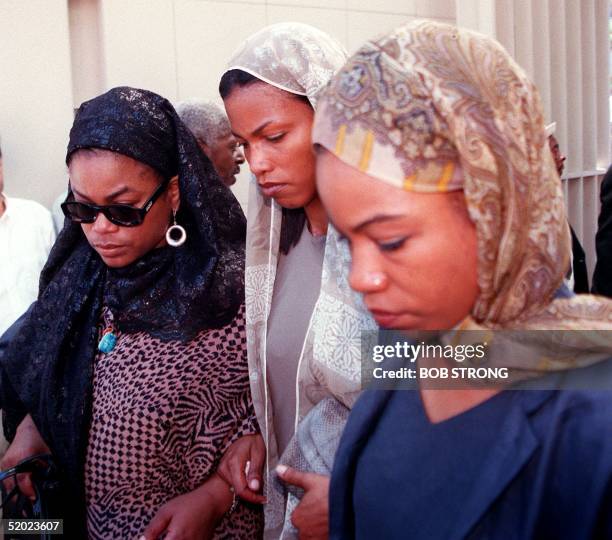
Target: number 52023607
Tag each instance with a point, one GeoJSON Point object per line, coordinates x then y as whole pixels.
{"type": "Point", "coordinates": [49, 526]}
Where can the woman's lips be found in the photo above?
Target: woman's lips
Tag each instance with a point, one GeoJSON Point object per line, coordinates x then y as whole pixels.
{"type": "Point", "coordinates": [269, 190]}
{"type": "Point", "coordinates": [109, 250]}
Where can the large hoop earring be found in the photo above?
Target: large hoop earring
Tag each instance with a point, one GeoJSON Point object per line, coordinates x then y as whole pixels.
{"type": "Point", "coordinates": [175, 235]}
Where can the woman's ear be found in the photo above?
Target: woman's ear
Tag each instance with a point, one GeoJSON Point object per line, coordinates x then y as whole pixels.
{"type": "Point", "coordinates": [174, 193]}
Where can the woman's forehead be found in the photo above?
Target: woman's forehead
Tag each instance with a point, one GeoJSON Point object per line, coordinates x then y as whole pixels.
{"type": "Point", "coordinates": [260, 97]}
{"type": "Point", "coordinates": [101, 158]}
{"type": "Point", "coordinates": [110, 172]}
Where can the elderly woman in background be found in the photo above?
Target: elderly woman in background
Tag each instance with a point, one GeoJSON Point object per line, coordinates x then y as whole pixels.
{"type": "Point", "coordinates": [209, 125]}
{"type": "Point", "coordinates": [434, 164]}
{"type": "Point", "coordinates": [303, 322]}
{"type": "Point", "coordinates": [131, 366]}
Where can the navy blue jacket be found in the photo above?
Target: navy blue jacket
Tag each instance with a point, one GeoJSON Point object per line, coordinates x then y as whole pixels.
{"type": "Point", "coordinates": [529, 464]}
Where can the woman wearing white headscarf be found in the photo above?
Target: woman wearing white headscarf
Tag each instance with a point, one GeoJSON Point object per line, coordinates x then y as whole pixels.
{"type": "Point", "coordinates": [304, 323]}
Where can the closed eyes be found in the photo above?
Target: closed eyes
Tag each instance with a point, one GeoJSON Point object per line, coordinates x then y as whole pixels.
{"type": "Point", "coordinates": [392, 245]}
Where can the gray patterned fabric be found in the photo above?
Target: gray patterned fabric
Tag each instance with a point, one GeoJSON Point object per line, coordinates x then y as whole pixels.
{"type": "Point", "coordinates": [313, 449]}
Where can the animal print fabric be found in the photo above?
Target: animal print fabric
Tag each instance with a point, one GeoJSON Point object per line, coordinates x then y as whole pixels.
{"type": "Point", "coordinates": [163, 415]}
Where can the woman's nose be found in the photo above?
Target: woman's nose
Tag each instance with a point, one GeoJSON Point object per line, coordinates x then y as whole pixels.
{"type": "Point", "coordinates": [238, 155]}
{"type": "Point", "coordinates": [366, 276]}
{"type": "Point", "coordinates": [258, 162]}
{"type": "Point", "coordinates": [103, 225]}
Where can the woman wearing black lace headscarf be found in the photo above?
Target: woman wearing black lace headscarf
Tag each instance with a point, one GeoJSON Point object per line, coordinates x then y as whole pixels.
{"type": "Point", "coordinates": [131, 366]}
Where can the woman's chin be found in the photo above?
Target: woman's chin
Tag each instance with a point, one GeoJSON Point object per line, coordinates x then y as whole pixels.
{"type": "Point", "coordinates": [116, 261]}
{"type": "Point", "coordinates": [290, 203]}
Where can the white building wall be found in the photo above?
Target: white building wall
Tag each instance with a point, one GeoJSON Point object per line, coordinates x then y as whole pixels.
{"type": "Point", "coordinates": [86, 50]}
{"type": "Point", "coordinates": [35, 97]}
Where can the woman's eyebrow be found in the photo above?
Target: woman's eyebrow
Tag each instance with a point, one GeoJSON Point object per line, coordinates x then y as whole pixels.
{"type": "Point", "coordinates": [120, 191]}
{"type": "Point", "coordinates": [378, 218]}
{"type": "Point", "coordinates": [76, 192]}
{"type": "Point", "coordinates": [258, 130]}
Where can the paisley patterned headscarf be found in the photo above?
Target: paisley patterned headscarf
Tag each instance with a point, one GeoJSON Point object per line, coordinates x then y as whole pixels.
{"type": "Point", "coordinates": [299, 59]}
{"type": "Point", "coordinates": [433, 108]}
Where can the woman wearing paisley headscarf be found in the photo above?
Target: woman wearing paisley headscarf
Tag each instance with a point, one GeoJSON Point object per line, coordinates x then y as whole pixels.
{"type": "Point", "coordinates": [303, 322]}
{"type": "Point", "coordinates": [433, 161]}
{"type": "Point", "coordinates": [131, 366]}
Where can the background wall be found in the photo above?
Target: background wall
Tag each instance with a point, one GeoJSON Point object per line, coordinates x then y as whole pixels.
{"type": "Point", "coordinates": [35, 96]}
{"type": "Point", "coordinates": [179, 48]}
{"type": "Point", "coordinates": [54, 54]}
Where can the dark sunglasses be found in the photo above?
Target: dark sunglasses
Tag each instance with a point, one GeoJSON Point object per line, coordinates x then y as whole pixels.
{"type": "Point", "coordinates": [119, 214]}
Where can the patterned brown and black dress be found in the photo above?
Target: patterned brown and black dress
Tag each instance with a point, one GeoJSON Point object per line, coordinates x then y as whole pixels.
{"type": "Point", "coordinates": [163, 415]}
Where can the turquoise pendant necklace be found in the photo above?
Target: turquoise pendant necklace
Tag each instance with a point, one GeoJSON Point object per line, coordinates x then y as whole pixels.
{"type": "Point", "coordinates": [108, 341]}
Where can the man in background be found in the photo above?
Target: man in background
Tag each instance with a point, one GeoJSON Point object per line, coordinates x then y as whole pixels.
{"type": "Point", "coordinates": [211, 128]}
{"type": "Point", "coordinates": [26, 237]}
{"type": "Point", "coordinates": [578, 277]}
{"type": "Point", "coordinates": [602, 277]}
{"type": "Point", "coordinates": [553, 143]}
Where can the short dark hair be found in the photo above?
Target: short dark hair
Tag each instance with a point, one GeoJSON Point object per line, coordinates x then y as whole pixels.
{"type": "Point", "coordinates": [294, 219]}
{"type": "Point", "coordinates": [236, 78]}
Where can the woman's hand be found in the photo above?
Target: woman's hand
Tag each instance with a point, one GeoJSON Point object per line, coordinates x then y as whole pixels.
{"type": "Point", "coordinates": [311, 516]}
{"type": "Point", "coordinates": [27, 442]}
{"type": "Point", "coordinates": [192, 516]}
{"type": "Point", "coordinates": [242, 467]}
